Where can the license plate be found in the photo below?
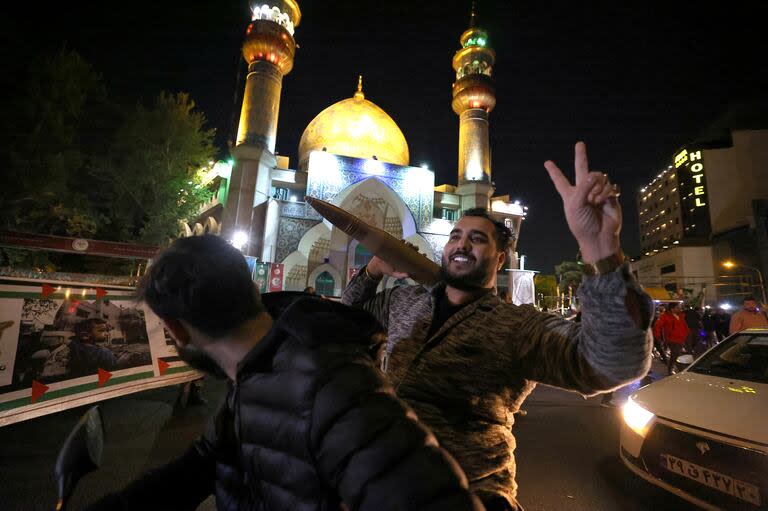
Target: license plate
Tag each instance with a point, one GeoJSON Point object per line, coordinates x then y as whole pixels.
{"type": "Point", "coordinates": [726, 484]}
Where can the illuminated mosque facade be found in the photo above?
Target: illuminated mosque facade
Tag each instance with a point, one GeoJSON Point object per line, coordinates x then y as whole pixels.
{"type": "Point", "coordinates": [355, 156]}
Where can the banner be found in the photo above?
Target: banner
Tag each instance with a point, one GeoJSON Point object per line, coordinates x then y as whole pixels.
{"type": "Point", "coordinates": [276, 278]}
{"type": "Point", "coordinates": [65, 344]}
{"type": "Point", "coordinates": [261, 276]}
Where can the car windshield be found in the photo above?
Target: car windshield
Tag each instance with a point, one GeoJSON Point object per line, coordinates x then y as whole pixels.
{"type": "Point", "coordinates": [742, 357]}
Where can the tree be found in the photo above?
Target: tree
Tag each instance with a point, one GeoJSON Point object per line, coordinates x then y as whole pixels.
{"type": "Point", "coordinates": [80, 165]}
{"type": "Point", "coordinates": [546, 289]}
{"type": "Point", "coordinates": [44, 148]}
{"type": "Point", "coordinates": [153, 171]}
{"type": "Point", "coordinates": [569, 274]}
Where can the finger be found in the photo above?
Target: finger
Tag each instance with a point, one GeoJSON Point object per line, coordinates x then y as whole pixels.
{"type": "Point", "coordinates": [591, 180]}
{"type": "Point", "coordinates": [596, 190]}
{"type": "Point", "coordinates": [609, 190]}
{"type": "Point", "coordinates": [561, 182]}
{"type": "Point", "coordinates": [580, 162]}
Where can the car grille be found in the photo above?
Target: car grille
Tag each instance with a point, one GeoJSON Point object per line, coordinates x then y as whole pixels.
{"type": "Point", "coordinates": [745, 465]}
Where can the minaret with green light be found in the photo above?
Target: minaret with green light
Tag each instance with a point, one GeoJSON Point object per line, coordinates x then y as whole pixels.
{"type": "Point", "coordinates": [269, 50]}
{"type": "Point", "coordinates": [474, 96]}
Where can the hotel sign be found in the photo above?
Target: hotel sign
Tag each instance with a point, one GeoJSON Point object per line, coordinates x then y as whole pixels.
{"type": "Point", "coordinates": [689, 164]}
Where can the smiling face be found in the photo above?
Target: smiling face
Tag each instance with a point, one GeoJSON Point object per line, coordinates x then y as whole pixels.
{"type": "Point", "coordinates": [471, 257]}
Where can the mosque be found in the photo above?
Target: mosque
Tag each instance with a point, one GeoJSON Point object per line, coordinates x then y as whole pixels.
{"type": "Point", "coordinates": [353, 155]}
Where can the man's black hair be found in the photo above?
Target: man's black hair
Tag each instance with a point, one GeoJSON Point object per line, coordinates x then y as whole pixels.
{"type": "Point", "coordinates": [204, 281]}
{"type": "Point", "coordinates": [748, 298]}
{"type": "Point", "coordinates": [503, 234]}
{"type": "Point", "coordinates": [85, 326]}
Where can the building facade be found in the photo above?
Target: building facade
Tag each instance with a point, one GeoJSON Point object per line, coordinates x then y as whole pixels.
{"type": "Point", "coordinates": [354, 155]}
{"type": "Point", "coordinates": [706, 208]}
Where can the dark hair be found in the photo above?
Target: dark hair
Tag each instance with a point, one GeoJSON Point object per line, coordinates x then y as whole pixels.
{"type": "Point", "coordinates": [748, 298]}
{"type": "Point", "coordinates": [204, 281]}
{"type": "Point", "coordinates": [85, 326]}
{"type": "Point", "coordinates": [503, 234]}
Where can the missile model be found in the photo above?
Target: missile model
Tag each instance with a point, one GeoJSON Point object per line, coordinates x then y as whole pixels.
{"type": "Point", "coordinates": [380, 243]}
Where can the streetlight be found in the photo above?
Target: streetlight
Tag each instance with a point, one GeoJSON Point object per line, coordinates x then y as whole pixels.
{"type": "Point", "coordinates": [731, 264]}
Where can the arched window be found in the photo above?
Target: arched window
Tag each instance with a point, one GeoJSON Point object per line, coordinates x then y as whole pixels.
{"type": "Point", "coordinates": [324, 284]}
{"type": "Point", "coordinates": [362, 256]}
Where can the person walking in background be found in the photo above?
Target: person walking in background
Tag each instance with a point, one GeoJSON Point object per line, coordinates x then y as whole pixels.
{"type": "Point", "coordinates": [674, 331]}
{"type": "Point", "coordinates": [722, 323]}
{"type": "Point", "coordinates": [658, 342]}
{"type": "Point", "coordinates": [750, 316]}
{"type": "Point", "coordinates": [693, 319]}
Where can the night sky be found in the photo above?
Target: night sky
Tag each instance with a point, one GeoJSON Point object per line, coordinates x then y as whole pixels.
{"type": "Point", "coordinates": [634, 80]}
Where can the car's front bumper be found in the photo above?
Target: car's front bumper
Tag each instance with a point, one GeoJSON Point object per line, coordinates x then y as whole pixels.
{"type": "Point", "coordinates": [736, 458]}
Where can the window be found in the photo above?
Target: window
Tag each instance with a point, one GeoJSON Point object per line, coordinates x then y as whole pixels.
{"type": "Point", "coordinates": [670, 268]}
{"type": "Point", "coordinates": [362, 256]}
{"type": "Point", "coordinates": [281, 193]}
{"type": "Point", "coordinates": [324, 284]}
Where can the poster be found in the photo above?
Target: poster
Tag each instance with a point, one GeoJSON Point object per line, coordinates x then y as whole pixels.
{"type": "Point", "coordinates": [276, 278]}
{"type": "Point", "coordinates": [261, 277]}
{"type": "Point", "coordinates": [64, 345]}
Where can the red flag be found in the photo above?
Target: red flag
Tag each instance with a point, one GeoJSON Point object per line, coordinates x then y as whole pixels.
{"type": "Point", "coordinates": [103, 376]}
{"type": "Point", "coordinates": [38, 389]}
{"type": "Point", "coordinates": [100, 293]}
{"type": "Point", "coordinates": [163, 365]}
{"type": "Point", "coordinates": [47, 290]}
{"type": "Point", "coordinates": [276, 277]}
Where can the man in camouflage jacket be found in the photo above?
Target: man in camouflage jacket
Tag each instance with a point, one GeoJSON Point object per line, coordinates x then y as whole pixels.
{"type": "Point", "coordinates": [465, 361]}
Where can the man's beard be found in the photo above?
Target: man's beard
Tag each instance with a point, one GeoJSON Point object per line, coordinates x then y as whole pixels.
{"type": "Point", "coordinates": [476, 279]}
{"type": "Point", "coordinates": [197, 359]}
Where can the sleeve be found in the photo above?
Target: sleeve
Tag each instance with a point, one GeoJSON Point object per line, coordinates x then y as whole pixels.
{"type": "Point", "coordinates": [180, 485]}
{"type": "Point", "coordinates": [372, 449]}
{"type": "Point", "coordinates": [605, 351]}
{"type": "Point", "coordinates": [361, 293]}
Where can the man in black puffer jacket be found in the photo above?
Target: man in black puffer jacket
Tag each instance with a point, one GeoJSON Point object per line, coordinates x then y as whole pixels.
{"type": "Point", "coordinates": [308, 424]}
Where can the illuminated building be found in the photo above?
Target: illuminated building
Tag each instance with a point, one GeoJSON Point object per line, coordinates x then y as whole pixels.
{"type": "Point", "coordinates": [354, 155]}
{"type": "Point", "coordinates": [704, 208]}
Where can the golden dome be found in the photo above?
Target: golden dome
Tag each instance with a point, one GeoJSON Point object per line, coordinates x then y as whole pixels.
{"type": "Point", "coordinates": [354, 127]}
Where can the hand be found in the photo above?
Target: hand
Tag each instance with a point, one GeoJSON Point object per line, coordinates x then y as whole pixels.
{"type": "Point", "coordinates": [378, 267]}
{"type": "Point", "coordinates": [591, 207]}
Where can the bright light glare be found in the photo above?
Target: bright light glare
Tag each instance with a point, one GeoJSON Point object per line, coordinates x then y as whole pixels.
{"type": "Point", "coordinates": [637, 417]}
{"type": "Point", "coordinates": [729, 264]}
{"type": "Point", "coordinates": [725, 306]}
{"type": "Point", "coordinates": [239, 239]}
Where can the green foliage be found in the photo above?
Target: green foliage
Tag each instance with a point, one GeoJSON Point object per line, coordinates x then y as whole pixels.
{"type": "Point", "coordinates": [80, 165]}
{"type": "Point", "coordinates": [569, 274]}
{"type": "Point", "coordinates": [153, 169]}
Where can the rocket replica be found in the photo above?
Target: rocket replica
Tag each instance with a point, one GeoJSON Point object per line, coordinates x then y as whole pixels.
{"type": "Point", "coordinates": [380, 243]}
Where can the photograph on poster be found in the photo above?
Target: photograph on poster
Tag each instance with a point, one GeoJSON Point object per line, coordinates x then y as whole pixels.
{"type": "Point", "coordinates": [66, 339]}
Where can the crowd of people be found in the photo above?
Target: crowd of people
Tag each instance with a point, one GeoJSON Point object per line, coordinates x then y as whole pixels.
{"type": "Point", "coordinates": [679, 329]}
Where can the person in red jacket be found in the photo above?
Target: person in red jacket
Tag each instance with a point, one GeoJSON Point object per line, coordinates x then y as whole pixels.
{"type": "Point", "coordinates": [671, 327]}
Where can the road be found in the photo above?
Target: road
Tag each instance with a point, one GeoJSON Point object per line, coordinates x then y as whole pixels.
{"type": "Point", "coordinates": [566, 452]}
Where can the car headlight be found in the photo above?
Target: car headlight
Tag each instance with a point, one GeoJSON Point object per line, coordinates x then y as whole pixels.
{"type": "Point", "coordinates": [637, 417]}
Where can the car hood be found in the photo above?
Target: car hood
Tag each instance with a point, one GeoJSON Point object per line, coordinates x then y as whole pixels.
{"type": "Point", "coordinates": [733, 407]}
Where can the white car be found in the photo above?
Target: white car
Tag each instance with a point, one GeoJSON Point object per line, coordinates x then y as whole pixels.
{"type": "Point", "coordinates": [702, 433]}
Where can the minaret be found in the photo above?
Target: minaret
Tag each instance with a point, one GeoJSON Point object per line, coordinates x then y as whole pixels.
{"type": "Point", "coordinates": [269, 50]}
{"type": "Point", "coordinates": [474, 96]}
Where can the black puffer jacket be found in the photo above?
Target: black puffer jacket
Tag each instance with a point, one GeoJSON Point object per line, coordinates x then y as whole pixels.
{"type": "Point", "coordinates": [309, 424]}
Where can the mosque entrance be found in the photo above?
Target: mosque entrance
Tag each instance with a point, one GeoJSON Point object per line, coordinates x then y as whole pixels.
{"type": "Point", "coordinates": [325, 284]}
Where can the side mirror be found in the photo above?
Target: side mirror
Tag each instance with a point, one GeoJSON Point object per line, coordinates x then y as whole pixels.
{"type": "Point", "coordinates": [684, 360]}
{"type": "Point", "coordinates": [81, 453]}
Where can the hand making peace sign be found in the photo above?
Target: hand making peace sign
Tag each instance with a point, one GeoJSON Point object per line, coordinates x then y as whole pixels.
{"type": "Point", "coordinates": [591, 207]}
